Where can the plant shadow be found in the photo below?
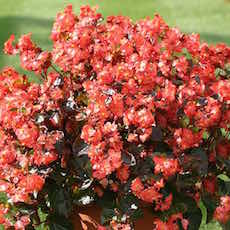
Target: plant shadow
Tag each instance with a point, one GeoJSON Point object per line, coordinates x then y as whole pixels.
{"type": "Point", "coordinates": [213, 38]}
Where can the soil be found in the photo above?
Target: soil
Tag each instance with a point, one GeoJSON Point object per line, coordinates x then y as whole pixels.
{"type": "Point", "coordinates": [93, 212]}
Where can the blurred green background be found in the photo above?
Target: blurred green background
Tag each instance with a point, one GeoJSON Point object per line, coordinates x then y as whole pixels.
{"type": "Point", "coordinates": [210, 18]}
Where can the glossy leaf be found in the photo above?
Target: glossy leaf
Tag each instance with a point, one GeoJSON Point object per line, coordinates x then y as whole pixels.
{"type": "Point", "coordinates": [60, 201]}
{"type": "Point", "coordinates": [223, 177]}
{"type": "Point", "coordinates": [107, 215]}
{"type": "Point", "coordinates": [157, 134]}
{"type": "Point", "coordinates": [3, 198]}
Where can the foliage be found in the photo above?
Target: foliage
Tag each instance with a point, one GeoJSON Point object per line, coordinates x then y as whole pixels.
{"type": "Point", "coordinates": [127, 115]}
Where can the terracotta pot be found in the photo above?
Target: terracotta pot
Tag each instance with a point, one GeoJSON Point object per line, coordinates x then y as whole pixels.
{"type": "Point", "coordinates": [92, 214]}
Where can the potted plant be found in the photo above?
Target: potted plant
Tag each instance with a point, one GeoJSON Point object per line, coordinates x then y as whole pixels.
{"type": "Point", "coordinates": [131, 120]}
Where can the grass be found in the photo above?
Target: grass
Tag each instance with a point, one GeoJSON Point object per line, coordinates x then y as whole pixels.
{"type": "Point", "coordinates": [209, 18]}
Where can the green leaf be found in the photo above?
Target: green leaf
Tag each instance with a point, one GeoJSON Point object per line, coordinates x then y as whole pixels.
{"type": "Point", "coordinates": [42, 215]}
{"type": "Point", "coordinates": [42, 226]}
{"type": "Point", "coordinates": [2, 227]}
{"type": "Point", "coordinates": [211, 226]}
{"type": "Point", "coordinates": [183, 53]}
{"type": "Point", "coordinates": [224, 177]}
{"type": "Point", "coordinates": [187, 54]}
{"type": "Point", "coordinates": [206, 135]}
{"type": "Point", "coordinates": [3, 198]}
{"type": "Point", "coordinates": [225, 133]}
{"type": "Point", "coordinates": [184, 121]}
{"type": "Point", "coordinates": [220, 72]}
{"type": "Point", "coordinates": [203, 212]}
{"type": "Point", "coordinates": [195, 129]}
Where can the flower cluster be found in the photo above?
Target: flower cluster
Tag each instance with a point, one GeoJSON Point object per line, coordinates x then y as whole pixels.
{"type": "Point", "coordinates": [32, 123]}
{"type": "Point", "coordinates": [222, 212]}
{"type": "Point", "coordinates": [32, 58]}
{"type": "Point", "coordinates": [151, 104]}
{"type": "Point", "coordinates": [172, 223]}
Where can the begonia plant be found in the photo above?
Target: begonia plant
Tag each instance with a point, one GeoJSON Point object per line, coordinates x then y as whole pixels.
{"type": "Point", "coordinates": [128, 115]}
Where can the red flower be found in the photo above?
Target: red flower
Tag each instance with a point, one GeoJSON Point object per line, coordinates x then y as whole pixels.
{"type": "Point", "coordinates": [8, 46]}
{"type": "Point", "coordinates": [8, 154]}
{"type": "Point", "coordinates": [120, 226]}
{"type": "Point", "coordinates": [171, 224]}
{"type": "Point", "coordinates": [27, 134]}
{"type": "Point", "coordinates": [137, 186]}
{"type": "Point", "coordinates": [165, 204]}
{"type": "Point", "coordinates": [222, 212]}
{"type": "Point", "coordinates": [168, 167]}
{"type": "Point", "coordinates": [222, 149]}
{"type": "Point", "coordinates": [123, 173]}
{"type": "Point", "coordinates": [222, 88]}
{"type": "Point", "coordinates": [91, 135]}
{"type": "Point", "coordinates": [32, 183]}
{"type": "Point", "coordinates": [130, 90]}
{"type": "Point", "coordinates": [186, 138]}
{"type": "Point", "coordinates": [22, 223]}
{"type": "Point", "coordinates": [149, 194]}
{"type": "Point", "coordinates": [3, 212]}
{"type": "Point", "coordinates": [117, 106]}
{"type": "Point", "coordinates": [210, 185]}
{"type": "Point", "coordinates": [181, 66]}
{"type": "Point", "coordinates": [160, 225]}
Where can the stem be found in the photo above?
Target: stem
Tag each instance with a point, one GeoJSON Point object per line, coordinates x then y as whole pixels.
{"type": "Point", "coordinates": [55, 69]}
{"type": "Point", "coordinates": [43, 76]}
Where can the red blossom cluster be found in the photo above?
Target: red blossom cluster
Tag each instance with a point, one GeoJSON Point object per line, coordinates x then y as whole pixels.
{"type": "Point", "coordinates": [31, 124]}
{"type": "Point", "coordinates": [32, 57]}
{"type": "Point", "coordinates": [20, 222]}
{"type": "Point", "coordinates": [145, 82]}
{"type": "Point", "coordinates": [168, 167]}
{"type": "Point", "coordinates": [172, 223]}
{"type": "Point", "coordinates": [141, 77]}
{"type": "Point", "coordinates": [151, 193]}
{"type": "Point", "coordinates": [222, 212]}
{"type": "Point", "coordinates": [148, 86]}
